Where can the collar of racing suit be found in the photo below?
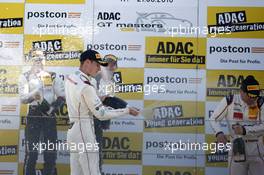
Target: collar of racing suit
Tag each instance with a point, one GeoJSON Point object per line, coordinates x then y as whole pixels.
{"type": "Point", "coordinates": [84, 77]}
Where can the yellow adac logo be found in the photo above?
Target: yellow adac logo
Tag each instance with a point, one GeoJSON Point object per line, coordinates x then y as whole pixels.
{"type": "Point", "coordinates": [236, 22]}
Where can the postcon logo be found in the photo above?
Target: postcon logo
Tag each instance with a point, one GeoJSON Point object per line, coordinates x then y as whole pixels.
{"type": "Point", "coordinates": [11, 22]}
{"type": "Point", "coordinates": [234, 21]}
{"type": "Point", "coordinates": [144, 22]}
{"type": "Point", "coordinates": [235, 49]}
{"type": "Point", "coordinates": [115, 47]}
{"type": "Point", "coordinates": [9, 44]}
{"type": "Point", "coordinates": [226, 84]}
{"type": "Point", "coordinates": [171, 116]}
{"type": "Point", "coordinates": [52, 15]}
{"type": "Point", "coordinates": [7, 172]}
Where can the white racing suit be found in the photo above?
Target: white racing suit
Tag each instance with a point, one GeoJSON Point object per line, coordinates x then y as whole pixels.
{"type": "Point", "coordinates": [83, 103]}
{"type": "Point", "coordinates": [40, 120]}
{"type": "Point", "coordinates": [236, 111]}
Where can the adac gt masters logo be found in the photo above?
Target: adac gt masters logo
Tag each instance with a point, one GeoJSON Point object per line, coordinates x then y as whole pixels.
{"type": "Point", "coordinates": [149, 22]}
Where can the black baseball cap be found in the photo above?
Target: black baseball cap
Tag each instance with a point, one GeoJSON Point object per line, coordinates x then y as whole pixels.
{"type": "Point", "coordinates": [251, 86]}
{"type": "Point", "coordinates": [92, 55]}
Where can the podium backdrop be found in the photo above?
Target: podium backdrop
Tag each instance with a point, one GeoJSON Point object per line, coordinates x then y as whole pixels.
{"type": "Point", "coordinates": [177, 59]}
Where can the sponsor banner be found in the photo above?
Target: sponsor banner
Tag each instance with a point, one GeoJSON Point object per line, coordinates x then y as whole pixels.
{"type": "Point", "coordinates": [9, 113]}
{"type": "Point", "coordinates": [9, 122]}
{"type": "Point", "coordinates": [174, 117]}
{"type": "Point", "coordinates": [235, 22]}
{"type": "Point", "coordinates": [9, 106]}
{"type": "Point", "coordinates": [222, 83]}
{"type": "Point", "coordinates": [11, 18]}
{"type": "Point", "coordinates": [216, 170]}
{"type": "Point", "coordinates": [217, 159]}
{"type": "Point", "coordinates": [63, 156]}
{"type": "Point", "coordinates": [122, 170]}
{"type": "Point", "coordinates": [171, 84]}
{"type": "Point", "coordinates": [172, 170]}
{"type": "Point", "coordinates": [8, 168]}
{"type": "Point", "coordinates": [11, 49]}
{"type": "Point", "coordinates": [173, 149]}
{"type": "Point", "coordinates": [9, 1]}
{"type": "Point", "coordinates": [9, 146]}
{"type": "Point", "coordinates": [56, 1]}
{"type": "Point", "coordinates": [129, 83]}
{"type": "Point", "coordinates": [240, 54]}
{"type": "Point", "coordinates": [122, 148]}
{"type": "Point", "coordinates": [54, 19]}
{"type": "Point", "coordinates": [60, 169]}
{"type": "Point", "coordinates": [59, 50]}
{"type": "Point", "coordinates": [210, 107]}
{"type": "Point", "coordinates": [128, 123]}
{"type": "Point", "coordinates": [145, 21]}
{"type": "Point", "coordinates": [9, 81]}
{"type": "Point", "coordinates": [150, 3]}
{"type": "Point", "coordinates": [171, 52]}
{"type": "Point", "coordinates": [129, 50]}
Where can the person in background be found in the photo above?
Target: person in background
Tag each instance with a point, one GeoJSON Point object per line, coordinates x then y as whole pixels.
{"type": "Point", "coordinates": [43, 92]}
{"type": "Point", "coordinates": [106, 89]}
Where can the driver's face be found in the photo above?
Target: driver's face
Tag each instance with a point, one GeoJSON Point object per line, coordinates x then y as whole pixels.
{"type": "Point", "coordinates": [112, 66]}
{"type": "Point", "coordinates": [38, 66]}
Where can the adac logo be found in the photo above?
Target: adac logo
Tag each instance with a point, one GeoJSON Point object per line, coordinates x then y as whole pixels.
{"type": "Point", "coordinates": [170, 172]}
{"type": "Point", "coordinates": [175, 53]}
{"type": "Point", "coordinates": [48, 45]}
{"type": "Point", "coordinates": [226, 84]}
{"type": "Point", "coordinates": [171, 116]}
{"type": "Point", "coordinates": [230, 81]}
{"type": "Point", "coordinates": [145, 22]}
{"type": "Point", "coordinates": [11, 22]}
{"type": "Point", "coordinates": [53, 50]}
{"type": "Point", "coordinates": [119, 148]}
{"type": "Point", "coordinates": [121, 87]}
{"type": "Point", "coordinates": [118, 173]}
{"type": "Point", "coordinates": [234, 21]}
{"type": "Point", "coordinates": [52, 14]}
